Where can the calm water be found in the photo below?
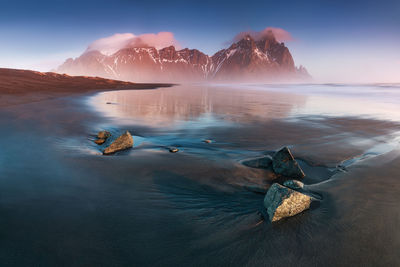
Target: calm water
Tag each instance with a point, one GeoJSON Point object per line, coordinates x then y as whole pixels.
{"type": "Point", "coordinates": [207, 105]}
{"type": "Point", "coordinates": [64, 204]}
{"type": "Point", "coordinates": [184, 115]}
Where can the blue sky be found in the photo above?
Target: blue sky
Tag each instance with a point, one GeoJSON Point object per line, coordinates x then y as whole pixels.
{"type": "Point", "coordinates": [338, 41]}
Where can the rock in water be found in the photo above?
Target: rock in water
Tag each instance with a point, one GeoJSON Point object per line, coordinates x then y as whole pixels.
{"type": "Point", "coordinates": [284, 164]}
{"type": "Point", "coordinates": [100, 141]}
{"type": "Point", "coordinates": [173, 149]}
{"type": "Point", "coordinates": [282, 202]}
{"type": "Point", "coordinates": [123, 142]}
{"type": "Point", "coordinates": [103, 135]}
{"type": "Point", "coordinates": [293, 184]}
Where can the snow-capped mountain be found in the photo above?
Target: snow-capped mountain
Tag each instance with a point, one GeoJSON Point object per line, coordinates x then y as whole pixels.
{"type": "Point", "coordinates": [246, 60]}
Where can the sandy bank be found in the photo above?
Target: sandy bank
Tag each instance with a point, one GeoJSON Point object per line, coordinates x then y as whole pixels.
{"type": "Point", "coordinates": [24, 86]}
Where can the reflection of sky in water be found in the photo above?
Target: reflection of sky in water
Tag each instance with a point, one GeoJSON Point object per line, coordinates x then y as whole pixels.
{"type": "Point", "coordinates": [380, 101]}
{"type": "Point", "coordinates": [202, 106]}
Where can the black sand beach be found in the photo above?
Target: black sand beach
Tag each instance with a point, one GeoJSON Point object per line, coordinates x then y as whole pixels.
{"type": "Point", "coordinates": [62, 203]}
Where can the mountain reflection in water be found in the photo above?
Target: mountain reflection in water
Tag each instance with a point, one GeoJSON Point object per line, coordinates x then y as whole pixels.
{"type": "Point", "coordinates": [205, 104]}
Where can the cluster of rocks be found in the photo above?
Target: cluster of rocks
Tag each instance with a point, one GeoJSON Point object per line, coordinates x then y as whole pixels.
{"type": "Point", "coordinates": [102, 137]}
{"type": "Point", "coordinates": [285, 200]}
{"type": "Point", "coordinates": [123, 142]}
{"type": "Point", "coordinates": [281, 200]}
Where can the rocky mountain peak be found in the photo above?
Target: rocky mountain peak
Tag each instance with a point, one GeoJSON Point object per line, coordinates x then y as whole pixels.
{"type": "Point", "coordinates": [248, 59]}
{"type": "Point", "coordinates": [247, 42]}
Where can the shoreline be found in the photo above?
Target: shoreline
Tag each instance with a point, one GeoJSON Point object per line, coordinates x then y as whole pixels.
{"type": "Point", "coordinates": [62, 199]}
{"type": "Point", "coordinates": [25, 86]}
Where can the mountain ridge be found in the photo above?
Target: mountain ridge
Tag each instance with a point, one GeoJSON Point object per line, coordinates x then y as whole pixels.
{"type": "Point", "coordinates": [247, 60]}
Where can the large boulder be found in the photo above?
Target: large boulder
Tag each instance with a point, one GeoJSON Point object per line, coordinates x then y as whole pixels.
{"type": "Point", "coordinates": [283, 163]}
{"type": "Point", "coordinates": [123, 142]}
{"type": "Point", "coordinates": [282, 202]}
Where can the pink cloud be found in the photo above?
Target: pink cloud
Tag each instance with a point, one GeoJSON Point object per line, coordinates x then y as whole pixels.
{"type": "Point", "coordinates": [280, 34]}
{"type": "Point", "coordinates": [158, 40]}
{"type": "Point", "coordinates": [113, 43]}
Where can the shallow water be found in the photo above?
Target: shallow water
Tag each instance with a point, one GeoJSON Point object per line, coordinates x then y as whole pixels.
{"type": "Point", "coordinates": [204, 105]}
{"type": "Point", "coordinates": [63, 203]}
{"type": "Point", "coordinates": [183, 116]}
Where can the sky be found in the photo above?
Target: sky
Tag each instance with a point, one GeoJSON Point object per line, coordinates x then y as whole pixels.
{"type": "Point", "coordinates": [337, 41]}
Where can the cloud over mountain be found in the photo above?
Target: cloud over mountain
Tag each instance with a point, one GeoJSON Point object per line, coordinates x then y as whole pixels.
{"type": "Point", "coordinates": [254, 56]}
{"type": "Point", "coordinates": [111, 44]}
{"type": "Point", "coordinates": [280, 34]}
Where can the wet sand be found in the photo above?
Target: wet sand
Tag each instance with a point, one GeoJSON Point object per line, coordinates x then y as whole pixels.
{"type": "Point", "coordinates": [63, 203]}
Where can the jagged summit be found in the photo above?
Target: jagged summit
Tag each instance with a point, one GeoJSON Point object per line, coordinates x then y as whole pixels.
{"type": "Point", "coordinates": [248, 60]}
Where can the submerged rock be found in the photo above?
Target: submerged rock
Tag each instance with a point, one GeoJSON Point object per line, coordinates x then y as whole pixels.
{"type": "Point", "coordinates": [293, 184]}
{"type": "Point", "coordinates": [123, 142]}
{"type": "Point", "coordinates": [283, 163]}
{"type": "Point", "coordinates": [282, 202]}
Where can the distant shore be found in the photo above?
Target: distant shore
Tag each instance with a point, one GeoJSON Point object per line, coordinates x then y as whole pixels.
{"type": "Point", "coordinates": [24, 86]}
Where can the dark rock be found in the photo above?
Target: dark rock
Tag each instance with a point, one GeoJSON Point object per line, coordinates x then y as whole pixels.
{"type": "Point", "coordinates": [294, 184]}
{"type": "Point", "coordinates": [123, 142]}
{"type": "Point", "coordinates": [281, 202]}
{"type": "Point", "coordinates": [283, 163]}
